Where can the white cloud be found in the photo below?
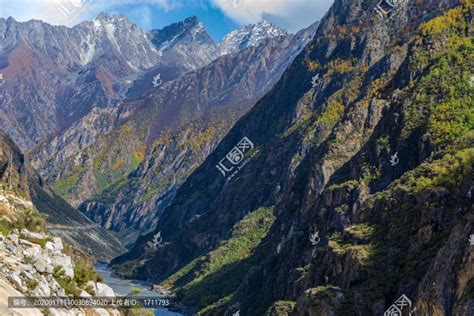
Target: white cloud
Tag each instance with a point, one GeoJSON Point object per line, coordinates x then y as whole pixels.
{"type": "Point", "coordinates": [70, 12]}
{"type": "Point", "coordinates": [290, 14]}
{"type": "Point", "coordinates": [142, 14]}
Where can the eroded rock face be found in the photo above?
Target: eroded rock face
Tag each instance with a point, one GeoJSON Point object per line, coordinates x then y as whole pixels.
{"type": "Point", "coordinates": [356, 158]}
{"type": "Point", "coordinates": [17, 282]}
{"type": "Point", "coordinates": [32, 237]}
{"type": "Point", "coordinates": [65, 262]}
{"type": "Point", "coordinates": [84, 67]}
{"type": "Point", "coordinates": [104, 290]}
{"type": "Point", "coordinates": [29, 269]}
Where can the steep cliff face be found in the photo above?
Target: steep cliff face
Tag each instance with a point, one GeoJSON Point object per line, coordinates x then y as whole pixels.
{"type": "Point", "coordinates": [20, 179]}
{"type": "Point", "coordinates": [363, 151]}
{"type": "Point", "coordinates": [125, 165]}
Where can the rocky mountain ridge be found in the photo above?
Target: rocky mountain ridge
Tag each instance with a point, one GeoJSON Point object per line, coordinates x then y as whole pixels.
{"type": "Point", "coordinates": [17, 176]}
{"type": "Point", "coordinates": [74, 70]}
{"type": "Point", "coordinates": [33, 262]}
{"type": "Point", "coordinates": [249, 35]}
{"type": "Point", "coordinates": [186, 118]}
{"type": "Point", "coordinates": [363, 152]}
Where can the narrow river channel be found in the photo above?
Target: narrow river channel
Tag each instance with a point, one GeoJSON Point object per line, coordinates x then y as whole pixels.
{"type": "Point", "coordinates": [125, 286]}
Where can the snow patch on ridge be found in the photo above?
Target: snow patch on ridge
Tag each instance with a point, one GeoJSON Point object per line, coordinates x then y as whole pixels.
{"type": "Point", "coordinates": [249, 35]}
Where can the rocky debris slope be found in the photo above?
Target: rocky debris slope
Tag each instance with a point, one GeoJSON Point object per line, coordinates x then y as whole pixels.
{"type": "Point", "coordinates": [7, 290]}
{"type": "Point", "coordinates": [363, 150]}
{"type": "Point", "coordinates": [34, 263]}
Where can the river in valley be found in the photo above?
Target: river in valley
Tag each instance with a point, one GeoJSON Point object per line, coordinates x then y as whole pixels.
{"type": "Point", "coordinates": [125, 286]}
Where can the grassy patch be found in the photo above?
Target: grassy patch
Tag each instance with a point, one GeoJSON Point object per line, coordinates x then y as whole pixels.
{"type": "Point", "coordinates": [281, 308]}
{"type": "Point", "coordinates": [65, 186]}
{"type": "Point", "coordinates": [31, 284]}
{"type": "Point", "coordinates": [210, 279]}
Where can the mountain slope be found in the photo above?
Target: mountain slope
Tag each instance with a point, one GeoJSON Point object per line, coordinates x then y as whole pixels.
{"type": "Point", "coordinates": [375, 158]}
{"type": "Point", "coordinates": [56, 75]}
{"type": "Point", "coordinates": [185, 43]}
{"type": "Point", "coordinates": [61, 219]}
{"type": "Point", "coordinates": [148, 146]}
{"type": "Point", "coordinates": [249, 35]}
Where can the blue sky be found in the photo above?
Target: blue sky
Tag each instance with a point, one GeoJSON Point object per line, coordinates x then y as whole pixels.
{"type": "Point", "coordinates": [219, 16]}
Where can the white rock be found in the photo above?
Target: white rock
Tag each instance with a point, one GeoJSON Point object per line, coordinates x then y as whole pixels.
{"type": "Point", "coordinates": [33, 237]}
{"type": "Point", "coordinates": [12, 249]}
{"type": "Point", "coordinates": [27, 267]}
{"type": "Point", "coordinates": [92, 284]}
{"type": "Point", "coordinates": [104, 290]}
{"type": "Point", "coordinates": [17, 282]}
{"type": "Point", "coordinates": [101, 312]}
{"type": "Point", "coordinates": [67, 312]}
{"type": "Point", "coordinates": [65, 262]}
{"type": "Point", "coordinates": [27, 275]}
{"type": "Point", "coordinates": [84, 294]}
{"type": "Point", "coordinates": [61, 292]}
{"type": "Point", "coordinates": [54, 285]}
{"type": "Point", "coordinates": [42, 289]}
{"type": "Point", "coordinates": [58, 244]}
{"type": "Point", "coordinates": [13, 238]}
{"type": "Point", "coordinates": [40, 265]}
{"type": "Point", "coordinates": [33, 251]}
{"type": "Point", "coordinates": [11, 261]}
{"type": "Point", "coordinates": [25, 243]}
{"type": "Point", "coordinates": [113, 312]}
{"type": "Point", "coordinates": [49, 269]}
{"type": "Point", "coordinates": [49, 246]}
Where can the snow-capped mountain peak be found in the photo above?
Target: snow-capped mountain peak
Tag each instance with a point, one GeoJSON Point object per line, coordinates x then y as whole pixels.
{"type": "Point", "coordinates": [186, 42]}
{"type": "Point", "coordinates": [249, 35]}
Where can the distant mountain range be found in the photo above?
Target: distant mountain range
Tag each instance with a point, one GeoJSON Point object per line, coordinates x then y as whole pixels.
{"type": "Point", "coordinates": [120, 117]}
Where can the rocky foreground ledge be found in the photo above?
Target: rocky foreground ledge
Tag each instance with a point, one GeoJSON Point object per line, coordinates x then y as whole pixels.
{"type": "Point", "coordinates": [35, 265]}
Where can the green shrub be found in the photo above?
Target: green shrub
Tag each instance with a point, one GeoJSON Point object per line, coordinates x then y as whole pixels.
{"type": "Point", "coordinates": [208, 280]}
{"type": "Point", "coordinates": [31, 284]}
{"type": "Point", "coordinates": [83, 273]}
{"type": "Point", "coordinates": [68, 284]}
{"type": "Point", "coordinates": [32, 220]}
